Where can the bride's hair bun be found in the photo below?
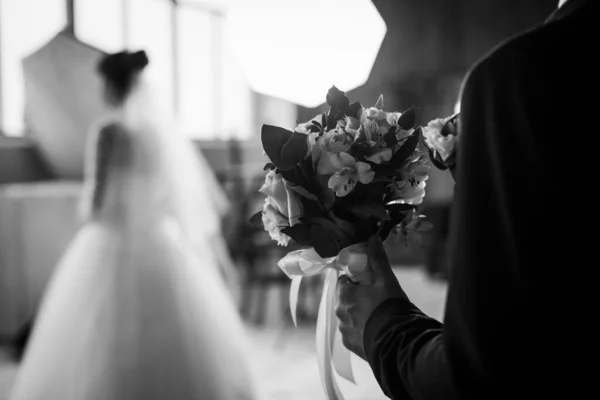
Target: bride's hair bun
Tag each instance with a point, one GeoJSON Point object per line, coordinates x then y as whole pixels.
{"type": "Point", "coordinates": [120, 69]}
{"type": "Point", "coordinates": [139, 60]}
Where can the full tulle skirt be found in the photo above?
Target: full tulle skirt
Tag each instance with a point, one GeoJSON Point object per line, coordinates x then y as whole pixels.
{"type": "Point", "coordinates": [135, 315]}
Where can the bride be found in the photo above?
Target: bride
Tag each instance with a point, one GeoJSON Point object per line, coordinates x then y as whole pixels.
{"type": "Point", "coordinates": [137, 308]}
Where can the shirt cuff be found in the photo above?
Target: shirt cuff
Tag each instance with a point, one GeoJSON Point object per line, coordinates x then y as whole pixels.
{"type": "Point", "coordinates": [382, 318]}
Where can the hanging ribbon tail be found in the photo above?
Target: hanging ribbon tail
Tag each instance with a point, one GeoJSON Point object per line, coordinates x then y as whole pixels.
{"type": "Point", "coordinates": [325, 336]}
{"type": "Point", "coordinates": [342, 361]}
{"type": "Point", "coordinates": [294, 292]}
{"type": "Point", "coordinates": [332, 355]}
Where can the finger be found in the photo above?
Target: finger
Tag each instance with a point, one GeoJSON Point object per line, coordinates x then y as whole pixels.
{"type": "Point", "coordinates": [342, 314]}
{"type": "Point", "coordinates": [346, 293]}
{"type": "Point", "coordinates": [364, 278]}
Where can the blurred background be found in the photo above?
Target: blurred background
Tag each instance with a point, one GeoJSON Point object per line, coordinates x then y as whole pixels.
{"type": "Point", "coordinates": [225, 67]}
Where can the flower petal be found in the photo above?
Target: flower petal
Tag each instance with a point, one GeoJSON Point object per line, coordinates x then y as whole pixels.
{"type": "Point", "coordinates": [340, 141]}
{"type": "Point", "coordinates": [392, 117]}
{"type": "Point", "coordinates": [343, 160]}
{"type": "Point", "coordinates": [352, 123]}
{"type": "Point", "coordinates": [384, 155]}
{"type": "Point", "coordinates": [342, 182]}
{"type": "Point", "coordinates": [435, 141]}
{"type": "Point", "coordinates": [363, 170]}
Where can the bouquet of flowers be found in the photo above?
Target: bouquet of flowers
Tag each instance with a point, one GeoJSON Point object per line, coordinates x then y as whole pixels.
{"type": "Point", "coordinates": [332, 183]}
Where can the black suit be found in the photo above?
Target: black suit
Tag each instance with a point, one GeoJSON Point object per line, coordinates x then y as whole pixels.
{"type": "Point", "coordinates": [517, 311]}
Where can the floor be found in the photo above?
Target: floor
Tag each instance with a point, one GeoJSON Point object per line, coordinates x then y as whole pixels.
{"type": "Point", "coordinates": [285, 364]}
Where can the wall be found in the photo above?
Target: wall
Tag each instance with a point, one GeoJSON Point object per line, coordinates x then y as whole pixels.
{"type": "Point", "coordinates": [20, 161]}
{"type": "Point", "coordinates": [429, 47]}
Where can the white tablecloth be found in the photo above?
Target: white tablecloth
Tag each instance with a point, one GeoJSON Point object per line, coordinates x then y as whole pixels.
{"type": "Point", "coordinates": [37, 222]}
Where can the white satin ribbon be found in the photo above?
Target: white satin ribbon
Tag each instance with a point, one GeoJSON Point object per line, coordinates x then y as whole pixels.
{"type": "Point", "coordinates": [331, 353]}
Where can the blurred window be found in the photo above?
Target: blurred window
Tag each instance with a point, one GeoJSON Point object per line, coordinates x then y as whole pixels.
{"type": "Point", "coordinates": [214, 99]}
{"type": "Point", "coordinates": [191, 63]}
{"type": "Point", "coordinates": [149, 26]}
{"type": "Point", "coordinates": [197, 70]}
{"type": "Point", "coordinates": [25, 25]}
{"type": "Point", "coordinates": [101, 23]}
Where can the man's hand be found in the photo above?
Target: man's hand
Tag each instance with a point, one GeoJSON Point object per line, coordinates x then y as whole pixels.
{"type": "Point", "coordinates": [357, 301]}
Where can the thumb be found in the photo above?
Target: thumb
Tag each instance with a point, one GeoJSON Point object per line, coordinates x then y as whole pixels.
{"type": "Point", "coordinates": [377, 257]}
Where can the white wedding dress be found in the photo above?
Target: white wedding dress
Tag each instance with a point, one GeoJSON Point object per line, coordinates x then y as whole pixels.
{"type": "Point", "coordinates": [137, 308]}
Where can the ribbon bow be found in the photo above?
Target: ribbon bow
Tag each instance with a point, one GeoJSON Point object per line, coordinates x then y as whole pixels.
{"type": "Point", "coordinates": [331, 353]}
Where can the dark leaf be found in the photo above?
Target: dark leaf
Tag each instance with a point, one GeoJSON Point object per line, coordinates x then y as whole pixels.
{"type": "Point", "coordinates": [408, 119]}
{"type": "Point", "coordinates": [273, 139]}
{"type": "Point", "coordinates": [399, 207]}
{"type": "Point", "coordinates": [344, 225]}
{"type": "Point", "coordinates": [294, 151]}
{"type": "Point", "coordinates": [323, 244]}
{"type": "Point", "coordinates": [436, 161]}
{"type": "Point", "coordinates": [256, 219]}
{"type": "Point", "coordinates": [333, 117]}
{"type": "Point", "coordinates": [390, 137]}
{"type": "Point", "coordinates": [314, 127]}
{"type": "Point", "coordinates": [376, 191]}
{"type": "Point", "coordinates": [323, 192]}
{"type": "Point", "coordinates": [337, 99]}
{"type": "Point", "coordinates": [297, 176]}
{"type": "Point", "coordinates": [300, 234]}
{"type": "Point", "coordinates": [451, 126]}
{"type": "Point", "coordinates": [312, 209]}
{"type": "Point", "coordinates": [376, 210]}
{"type": "Point", "coordinates": [396, 217]}
{"type": "Point", "coordinates": [360, 150]}
{"type": "Point", "coordinates": [327, 238]}
{"type": "Point", "coordinates": [407, 149]}
{"type": "Point", "coordinates": [353, 108]}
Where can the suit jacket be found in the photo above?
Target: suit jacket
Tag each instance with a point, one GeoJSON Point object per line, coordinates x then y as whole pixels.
{"type": "Point", "coordinates": [517, 311]}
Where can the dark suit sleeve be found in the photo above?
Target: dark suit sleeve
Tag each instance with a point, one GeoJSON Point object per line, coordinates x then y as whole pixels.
{"type": "Point", "coordinates": [412, 355]}
{"type": "Point", "coordinates": [406, 352]}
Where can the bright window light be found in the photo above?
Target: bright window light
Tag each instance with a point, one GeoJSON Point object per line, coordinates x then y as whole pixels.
{"type": "Point", "coordinates": [25, 26]}
{"type": "Point", "coordinates": [297, 49]}
{"type": "Point", "coordinates": [100, 24]}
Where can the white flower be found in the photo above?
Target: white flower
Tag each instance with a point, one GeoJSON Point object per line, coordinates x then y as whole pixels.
{"type": "Point", "coordinates": [372, 132]}
{"type": "Point", "coordinates": [376, 114]}
{"type": "Point", "coordinates": [444, 146]}
{"type": "Point", "coordinates": [304, 127]}
{"type": "Point", "coordinates": [411, 189]}
{"type": "Point", "coordinates": [351, 123]}
{"type": "Point", "coordinates": [410, 192]}
{"type": "Point", "coordinates": [326, 161]}
{"type": "Point", "coordinates": [338, 139]}
{"type": "Point", "coordinates": [384, 155]}
{"type": "Point", "coordinates": [413, 227]}
{"type": "Point", "coordinates": [352, 172]}
{"type": "Point", "coordinates": [282, 207]}
{"type": "Point", "coordinates": [392, 117]}
{"type": "Point", "coordinates": [273, 222]}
